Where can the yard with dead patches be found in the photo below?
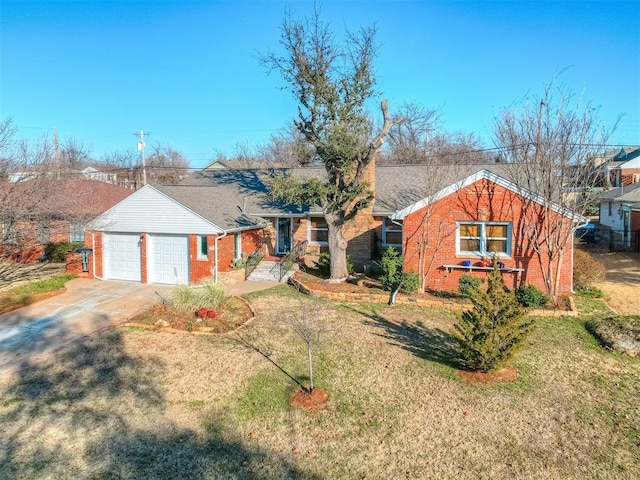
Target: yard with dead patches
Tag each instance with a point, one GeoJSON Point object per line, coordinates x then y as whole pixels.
{"type": "Point", "coordinates": [129, 403]}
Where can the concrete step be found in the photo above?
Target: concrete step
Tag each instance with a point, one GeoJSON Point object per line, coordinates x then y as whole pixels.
{"type": "Point", "coordinates": [270, 271]}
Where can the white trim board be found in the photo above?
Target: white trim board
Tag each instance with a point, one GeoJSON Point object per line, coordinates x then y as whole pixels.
{"type": "Point", "coordinates": [473, 178]}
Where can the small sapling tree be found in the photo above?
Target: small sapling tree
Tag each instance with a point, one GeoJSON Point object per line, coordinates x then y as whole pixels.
{"type": "Point", "coordinates": [489, 334]}
{"type": "Point", "coordinates": [310, 324]}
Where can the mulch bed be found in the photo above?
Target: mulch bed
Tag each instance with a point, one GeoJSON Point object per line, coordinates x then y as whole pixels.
{"type": "Point", "coordinates": [366, 285]}
{"type": "Point", "coordinates": [504, 375]}
{"type": "Point", "coordinates": [310, 401]}
{"type": "Point", "coordinates": [233, 314]}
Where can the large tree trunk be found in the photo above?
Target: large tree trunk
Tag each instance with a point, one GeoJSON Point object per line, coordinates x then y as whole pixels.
{"type": "Point", "coordinates": [337, 250]}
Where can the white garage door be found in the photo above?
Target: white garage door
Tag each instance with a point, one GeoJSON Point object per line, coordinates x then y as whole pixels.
{"type": "Point", "coordinates": [168, 259]}
{"type": "Point", "coordinates": [121, 257]}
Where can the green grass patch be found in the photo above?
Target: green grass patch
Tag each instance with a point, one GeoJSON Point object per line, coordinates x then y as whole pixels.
{"type": "Point", "coordinates": [24, 294]}
{"type": "Point", "coordinates": [591, 301]}
{"type": "Point", "coordinates": [282, 290]}
{"type": "Point", "coordinates": [266, 395]}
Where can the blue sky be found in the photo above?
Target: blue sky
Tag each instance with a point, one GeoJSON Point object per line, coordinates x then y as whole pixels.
{"type": "Point", "coordinates": [188, 72]}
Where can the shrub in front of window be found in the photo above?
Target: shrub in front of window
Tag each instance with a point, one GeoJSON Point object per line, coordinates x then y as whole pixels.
{"type": "Point", "coordinates": [490, 334]}
{"type": "Point", "coordinates": [467, 282]}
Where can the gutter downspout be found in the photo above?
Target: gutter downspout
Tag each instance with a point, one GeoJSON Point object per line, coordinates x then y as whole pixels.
{"type": "Point", "coordinates": [215, 271]}
{"type": "Point", "coordinates": [93, 255]}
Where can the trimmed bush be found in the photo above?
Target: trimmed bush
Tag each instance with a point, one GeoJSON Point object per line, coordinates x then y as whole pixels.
{"type": "Point", "coordinates": [489, 334]}
{"type": "Point", "coordinates": [587, 271]}
{"type": "Point", "coordinates": [467, 283]}
{"type": "Point", "coordinates": [391, 267]}
{"type": "Point", "coordinates": [410, 282]}
{"type": "Point", "coordinates": [57, 252]}
{"type": "Point", "coordinates": [530, 296]}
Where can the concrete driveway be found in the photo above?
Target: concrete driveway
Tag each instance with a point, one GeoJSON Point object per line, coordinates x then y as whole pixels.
{"type": "Point", "coordinates": [86, 307]}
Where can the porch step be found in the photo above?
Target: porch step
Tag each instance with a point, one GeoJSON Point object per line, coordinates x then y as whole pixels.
{"type": "Point", "coordinates": [270, 271]}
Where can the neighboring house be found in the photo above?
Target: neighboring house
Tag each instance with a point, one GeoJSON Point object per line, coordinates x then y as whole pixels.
{"type": "Point", "coordinates": [217, 165]}
{"type": "Point", "coordinates": [51, 212]}
{"type": "Point", "coordinates": [624, 168]}
{"type": "Point", "coordinates": [620, 211]}
{"type": "Point", "coordinates": [440, 219]}
{"type": "Point", "coordinates": [91, 173]}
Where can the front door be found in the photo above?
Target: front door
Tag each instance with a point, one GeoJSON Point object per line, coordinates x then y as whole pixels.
{"type": "Point", "coordinates": [283, 235]}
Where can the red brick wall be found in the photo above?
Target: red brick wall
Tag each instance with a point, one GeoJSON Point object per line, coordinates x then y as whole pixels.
{"type": "Point", "coordinates": [200, 268]}
{"type": "Point", "coordinates": [251, 240]}
{"type": "Point", "coordinates": [481, 201]}
{"type": "Point", "coordinates": [225, 253]}
{"type": "Point", "coordinates": [97, 253]}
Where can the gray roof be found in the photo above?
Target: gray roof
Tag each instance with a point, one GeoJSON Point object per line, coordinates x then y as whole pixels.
{"type": "Point", "coordinates": [630, 193]}
{"type": "Point", "coordinates": [237, 198]}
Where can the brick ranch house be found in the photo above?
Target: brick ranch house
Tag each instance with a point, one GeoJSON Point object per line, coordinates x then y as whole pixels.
{"type": "Point", "coordinates": [51, 211]}
{"type": "Point", "coordinates": [446, 222]}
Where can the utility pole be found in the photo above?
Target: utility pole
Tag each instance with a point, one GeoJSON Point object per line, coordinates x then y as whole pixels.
{"type": "Point", "coordinates": [141, 146]}
{"type": "Point", "coordinates": [55, 145]}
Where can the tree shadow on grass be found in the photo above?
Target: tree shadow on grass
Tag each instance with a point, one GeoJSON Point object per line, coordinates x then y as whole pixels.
{"type": "Point", "coordinates": [432, 344]}
{"type": "Point", "coordinates": [93, 410]}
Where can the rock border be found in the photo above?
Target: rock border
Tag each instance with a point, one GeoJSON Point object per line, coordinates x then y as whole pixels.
{"type": "Point", "coordinates": [197, 332]}
{"type": "Point", "coordinates": [404, 299]}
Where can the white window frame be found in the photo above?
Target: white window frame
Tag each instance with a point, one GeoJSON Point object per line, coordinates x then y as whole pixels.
{"type": "Point", "coordinates": [310, 229]}
{"type": "Point", "coordinates": [43, 233]}
{"type": "Point", "coordinates": [385, 229]}
{"type": "Point", "coordinates": [202, 238]}
{"type": "Point", "coordinates": [483, 240]}
{"type": "Point", "coordinates": [76, 230]}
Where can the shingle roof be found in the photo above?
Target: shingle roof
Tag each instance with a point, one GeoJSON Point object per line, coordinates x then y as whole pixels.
{"type": "Point", "coordinates": [238, 198]}
{"type": "Point", "coordinates": [630, 193]}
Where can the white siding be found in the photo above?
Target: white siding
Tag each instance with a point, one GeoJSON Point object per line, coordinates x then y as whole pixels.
{"type": "Point", "coordinates": [150, 211]}
{"type": "Point", "coordinates": [615, 219]}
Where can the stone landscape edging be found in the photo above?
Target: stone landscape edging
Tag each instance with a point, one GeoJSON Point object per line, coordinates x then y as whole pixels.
{"type": "Point", "coordinates": [404, 299]}
{"type": "Point", "coordinates": [197, 332]}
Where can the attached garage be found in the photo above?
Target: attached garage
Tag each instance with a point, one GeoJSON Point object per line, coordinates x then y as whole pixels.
{"type": "Point", "coordinates": [169, 235]}
{"type": "Point", "coordinates": [122, 256]}
{"type": "Point", "coordinates": [168, 259]}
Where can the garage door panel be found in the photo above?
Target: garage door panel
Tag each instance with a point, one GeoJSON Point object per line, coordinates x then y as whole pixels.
{"type": "Point", "coordinates": [169, 259]}
{"type": "Point", "coordinates": [122, 256]}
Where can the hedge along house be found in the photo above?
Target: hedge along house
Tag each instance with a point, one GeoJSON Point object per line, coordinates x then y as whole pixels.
{"type": "Point", "coordinates": [447, 220]}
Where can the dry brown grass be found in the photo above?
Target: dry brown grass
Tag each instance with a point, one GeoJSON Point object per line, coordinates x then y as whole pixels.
{"type": "Point", "coordinates": [138, 404]}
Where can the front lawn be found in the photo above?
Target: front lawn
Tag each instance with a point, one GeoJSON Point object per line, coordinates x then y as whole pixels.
{"type": "Point", "coordinates": [138, 404]}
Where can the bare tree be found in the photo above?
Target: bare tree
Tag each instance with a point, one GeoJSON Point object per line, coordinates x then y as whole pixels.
{"type": "Point", "coordinates": [548, 140]}
{"type": "Point", "coordinates": [166, 165]}
{"type": "Point", "coordinates": [288, 148]}
{"type": "Point", "coordinates": [74, 154]}
{"type": "Point", "coordinates": [408, 141]}
{"type": "Point", "coordinates": [125, 164]}
{"type": "Point", "coordinates": [332, 83]}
